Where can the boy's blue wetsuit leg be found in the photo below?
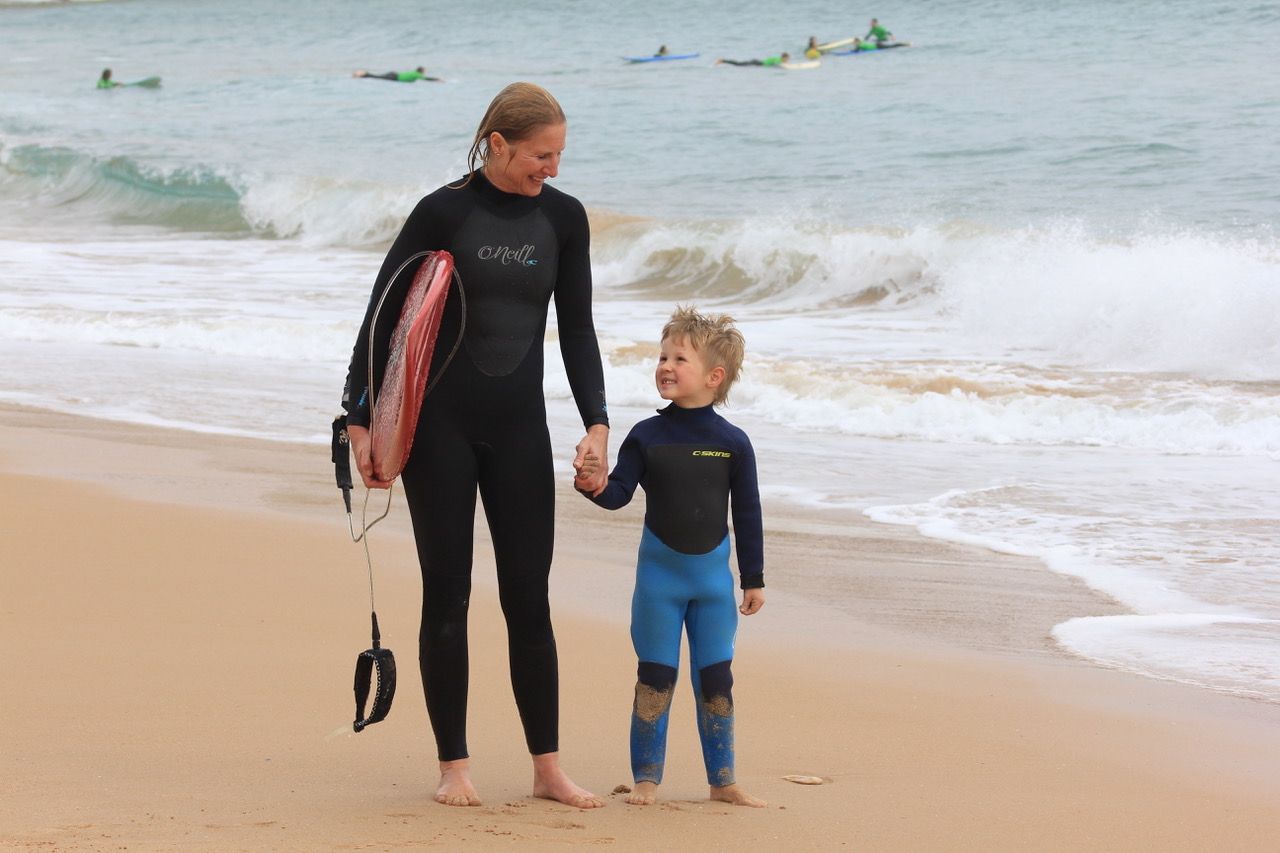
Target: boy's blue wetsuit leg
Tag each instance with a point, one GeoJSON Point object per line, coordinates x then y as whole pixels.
{"type": "Point", "coordinates": [696, 591]}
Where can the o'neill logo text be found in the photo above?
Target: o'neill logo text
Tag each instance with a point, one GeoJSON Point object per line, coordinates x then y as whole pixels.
{"type": "Point", "coordinates": [507, 255]}
{"type": "Point", "coordinates": [724, 454]}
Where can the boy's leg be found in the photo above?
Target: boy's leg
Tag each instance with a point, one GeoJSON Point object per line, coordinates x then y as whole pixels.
{"type": "Point", "coordinates": [657, 615]}
{"type": "Point", "coordinates": [650, 716]}
{"type": "Point", "coordinates": [712, 623]}
{"type": "Point", "coordinates": [708, 625]}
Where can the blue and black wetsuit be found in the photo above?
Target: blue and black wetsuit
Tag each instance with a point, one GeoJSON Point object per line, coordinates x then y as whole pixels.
{"type": "Point", "coordinates": [692, 464]}
{"type": "Point", "coordinates": [484, 426]}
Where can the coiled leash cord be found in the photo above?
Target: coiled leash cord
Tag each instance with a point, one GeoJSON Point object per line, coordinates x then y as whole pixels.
{"type": "Point", "coordinates": [376, 666]}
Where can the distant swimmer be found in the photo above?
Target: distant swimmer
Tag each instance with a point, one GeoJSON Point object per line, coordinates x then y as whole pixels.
{"type": "Point", "coordinates": [413, 76]}
{"type": "Point", "coordinates": [860, 46]}
{"type": "Point", "coordinates": [105, 81]}
{"type": "Point", "coordinates": [662, 51]}
{"type": "Point", "coordinates": [768, 60]}
{"type": "Point", "coordinates": [811, 50]}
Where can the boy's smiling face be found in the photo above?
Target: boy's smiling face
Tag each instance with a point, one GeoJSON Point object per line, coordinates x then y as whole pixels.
{"type": "Point", "coordinates": [683, 377]}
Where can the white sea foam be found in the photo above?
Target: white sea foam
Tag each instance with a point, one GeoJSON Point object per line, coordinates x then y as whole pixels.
{"type": "Point", "coordinates": [1236, 654]}
{"type": "Point", "coordinates": [1165, 301]}
{"type": "Point", "coordinates": [1202, 591]}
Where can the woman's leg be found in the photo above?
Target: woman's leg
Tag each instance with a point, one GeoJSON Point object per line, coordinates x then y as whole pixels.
{"type": "Point", "coordinates": [440, 488]}
{"type": "Point", "coordinates": [518, 490]}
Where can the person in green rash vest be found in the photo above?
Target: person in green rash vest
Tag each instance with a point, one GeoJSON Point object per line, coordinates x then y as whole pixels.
{"type": "Point", "coordinates": [877, 34]}
{"type": "Point", "coordinates": [413, 76]}
{"type": "Point", "coordinates": [105, 81]}
{"type": "Point", "coordinates": [768, 60]}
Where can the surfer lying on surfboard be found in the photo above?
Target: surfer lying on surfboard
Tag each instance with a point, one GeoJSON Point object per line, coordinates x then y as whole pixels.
{"type": "Point", "coordinates": [105, 81]}
{"type": "Point", "coordinates": [413, 76]}
{"type": "Point", "coordinates": [770, 61]}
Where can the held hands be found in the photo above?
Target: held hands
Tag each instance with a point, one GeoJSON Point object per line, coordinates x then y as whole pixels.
{"type": "Point", "coordinates": [591, 464]}
{"type": "Point", "coordinates": [362, 449]}
{"type": "Point", "coordinates": [752, 601]}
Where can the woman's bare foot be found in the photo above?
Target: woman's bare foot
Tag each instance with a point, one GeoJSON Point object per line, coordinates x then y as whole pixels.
{"type": "Point", "coordinates": [645, 794]}
{"type": "Point", "coordinates": [455, 784]}
{"type": "Point", "coordinates": [736, 796]}
{"type": "Point", "coordinates": [551, 783]}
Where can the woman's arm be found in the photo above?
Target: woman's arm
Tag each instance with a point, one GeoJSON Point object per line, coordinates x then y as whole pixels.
{"type": "Point", "coordinates": [579, 346]}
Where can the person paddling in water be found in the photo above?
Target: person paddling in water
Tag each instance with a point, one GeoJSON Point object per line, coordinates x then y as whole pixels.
{"type": "Point", "coordinates": [105, 81]}
{"type": "Point", "coordinates": [483, 428]}
{"type": "Point", "coordinates": [877, 34]}
{"type": "Point", "coordinates": [419, 73]}
{"type": "Point", "coordinates": [768, 60]}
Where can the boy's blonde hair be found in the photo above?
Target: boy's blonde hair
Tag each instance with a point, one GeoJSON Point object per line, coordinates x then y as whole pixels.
{"type": "Point", "coordinates": [715, 338]}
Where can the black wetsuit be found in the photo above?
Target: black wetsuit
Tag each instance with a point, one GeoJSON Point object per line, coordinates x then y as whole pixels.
{"type": "Point", "coordinates": [484, 425]}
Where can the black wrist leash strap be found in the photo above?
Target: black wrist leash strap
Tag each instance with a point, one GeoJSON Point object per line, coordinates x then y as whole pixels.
{"type": "Point", "coordinates": [374, 661]}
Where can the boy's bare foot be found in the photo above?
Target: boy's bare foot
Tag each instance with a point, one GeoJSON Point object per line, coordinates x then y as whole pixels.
{"type": "Point", "coordinates": [455, 784]}
{"type": "Point", "coordinates": [736, 796]}
{"type": "Point", "coordinates": [551, 783]}
{"type": "Point", "coordinates": [645, 794]}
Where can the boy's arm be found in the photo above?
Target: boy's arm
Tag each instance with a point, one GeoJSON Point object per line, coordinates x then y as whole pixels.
{"type": "Point", "coordinates": [623, 480]}
{"type": "Point", "coordinates": [748, 522]}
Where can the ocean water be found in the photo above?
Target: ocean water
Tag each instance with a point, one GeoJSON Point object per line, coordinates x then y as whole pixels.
{"type": "Point", "coordinates": [1015, 286]}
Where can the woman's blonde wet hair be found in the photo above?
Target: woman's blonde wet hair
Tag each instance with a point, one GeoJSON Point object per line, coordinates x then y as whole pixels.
{"type": "Point", "coordinates": [716, 339]}
{"type": "Point", "coordinates": [516, 112]}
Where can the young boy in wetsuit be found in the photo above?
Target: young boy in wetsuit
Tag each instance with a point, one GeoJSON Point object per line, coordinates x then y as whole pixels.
{"type": "Point", "coordinates": [693, 464]}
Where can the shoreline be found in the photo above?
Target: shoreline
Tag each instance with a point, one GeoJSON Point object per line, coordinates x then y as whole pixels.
{"type": "Point", "coordinates": [908, 587]}
{"type": "Point", "coordinates": [185, 609]}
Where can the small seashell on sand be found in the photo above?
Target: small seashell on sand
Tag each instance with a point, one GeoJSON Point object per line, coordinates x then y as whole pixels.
{"type": "Point", "coordinates": [805, 780]}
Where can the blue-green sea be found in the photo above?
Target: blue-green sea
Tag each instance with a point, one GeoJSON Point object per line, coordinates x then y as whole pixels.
{"type": "Point", "coordinates": [1014, 285]}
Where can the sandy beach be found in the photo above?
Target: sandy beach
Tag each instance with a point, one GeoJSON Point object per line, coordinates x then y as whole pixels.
{"type": "Point", "coordinates": [181, 613]}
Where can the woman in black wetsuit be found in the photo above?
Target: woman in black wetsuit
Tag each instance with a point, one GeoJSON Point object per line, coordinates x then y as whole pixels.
{"type": "Point", "coordinates": [517, 244]}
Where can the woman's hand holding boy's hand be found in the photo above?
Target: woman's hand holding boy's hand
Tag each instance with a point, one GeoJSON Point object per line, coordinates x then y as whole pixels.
{"type": "Point", "coordinates": [591, 464]}
{"type": "Point", "coordinates": [752, 601]}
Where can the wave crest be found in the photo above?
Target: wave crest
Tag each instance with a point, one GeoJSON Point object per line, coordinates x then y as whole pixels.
{"type": "Point", "coordinates": [316, 210]}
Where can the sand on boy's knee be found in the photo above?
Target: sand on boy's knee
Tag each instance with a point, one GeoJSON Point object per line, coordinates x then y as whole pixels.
{"type": "Point", "coordinates": [720, 706]}
{"type": "Point", "coordinates": [652, 702]}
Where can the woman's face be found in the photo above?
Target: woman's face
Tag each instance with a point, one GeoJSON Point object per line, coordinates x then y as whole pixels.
{"type": "Point", "coordinates": [521, 167]}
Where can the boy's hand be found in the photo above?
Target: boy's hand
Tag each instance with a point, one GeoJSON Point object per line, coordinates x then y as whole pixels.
{"type": "Point", "coordinates": [586, 472]}
{"type": "Point", "coordinates": [752, 601]}
{"type": "Point", "coordinates": [592, 452]}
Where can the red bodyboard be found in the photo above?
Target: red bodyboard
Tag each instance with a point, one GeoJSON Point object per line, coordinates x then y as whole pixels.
{"type": "Point", "coordinates": [399, 402]}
